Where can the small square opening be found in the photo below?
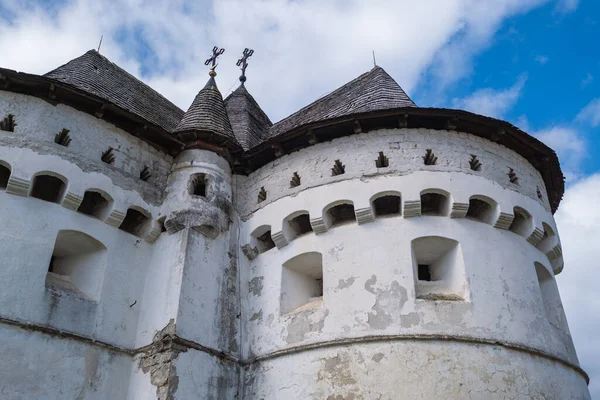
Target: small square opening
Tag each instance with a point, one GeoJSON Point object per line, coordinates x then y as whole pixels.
{"type": "Point", "coordinates": [302, 283]}
{"type": "Point", "coordinates": [198, 186]}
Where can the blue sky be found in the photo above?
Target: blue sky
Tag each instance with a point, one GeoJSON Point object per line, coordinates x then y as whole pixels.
{"type": "Point", "coordinates": [534, 63]}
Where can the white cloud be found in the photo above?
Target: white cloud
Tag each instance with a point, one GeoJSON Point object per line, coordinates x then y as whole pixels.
{"type": "Point", "coordinates": [578, 219]}
{"type": "Point", "coordinates": [542, 59]}
{"type": "Point", "coordinates": [303, 49]}
{"type": "Point", "coordinates": [566, 6]}
{"type": "Point", "coordinates": [491, 102]}
{"type": "Point", "coordinates": [568, 144]}
{"type": "Point", "coordinates": [591, 113]}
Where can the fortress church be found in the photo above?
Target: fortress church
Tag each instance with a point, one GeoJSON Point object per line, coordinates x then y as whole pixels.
{"type": "Point", "coordinates": [362, 248]}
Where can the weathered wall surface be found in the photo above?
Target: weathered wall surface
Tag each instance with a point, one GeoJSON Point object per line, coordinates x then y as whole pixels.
{"type": "Point", "coordinates": [37, 366]}
{"type": "Point", "coordinates": [413, 370]}
{"type": "Point", "coordinates": [38, 122]}
{"type": "Point", "coordinates": [404, 148]}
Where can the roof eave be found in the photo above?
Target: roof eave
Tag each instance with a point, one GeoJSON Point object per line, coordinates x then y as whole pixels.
{"type": "Point", "coordinates": [56, 92]}
{"type": "Point", "coordinates": [540, 156]}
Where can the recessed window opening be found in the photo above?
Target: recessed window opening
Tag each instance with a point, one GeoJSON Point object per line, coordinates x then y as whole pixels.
{"type": "Point", "coordinates": [439, 269]}
{"type": "Point", "coordinates": [302, 283]}
{"type": "Point", "coordinates": [481, 210]}
{"type": "Point", "coordinates": [48, 188]}
{"type": "Point", "coordinates": [261, 239]}
{"type": "Point", "coordinates": [387, 205]}
{"type": "Point", "coordinates": [550, 296]}
{"type": "Point", "coordinates": [548, 240]}
{"type": "Point", "coordinates": [198, 186]}
{"type": "Point", "coordinates": [95, 204]}
{"type": "Point", "coordinates": [135, 222]}
{"type": "Point", "coordinates": [4, 176]}
{"type": "Point", "coordinates": [434, 204]}
{"type": "Point", "coordinates": [77, 264]}
{"type": "Point", "coordinates": [341, 214]}
{"type": "Point", "coordinates": [522, 223]}
{"type": "Point", "coordinates": [298, 226]}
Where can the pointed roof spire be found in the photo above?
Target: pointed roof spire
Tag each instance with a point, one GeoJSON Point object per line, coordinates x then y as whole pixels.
{"type": "Point", "coordinates": [207, 119]}
{"type": "Point", "coordinates": [249, 122]}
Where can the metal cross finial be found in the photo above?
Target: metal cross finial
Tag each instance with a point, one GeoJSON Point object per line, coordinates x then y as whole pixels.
{"type": "Point", "coordinates": [243, 62]}
{"type": "Point", "coordinates": [213, 59]}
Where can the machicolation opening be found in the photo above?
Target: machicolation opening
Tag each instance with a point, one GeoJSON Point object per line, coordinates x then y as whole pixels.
{"type": "Point", "coordinates": [4, 176]}
{"type": "Point", "coordinates": [95, 204]}
{"type": "Point", "coordinates": [481, 209]}
{"type": "Point", "coordinates": [198, 186]}
{"type": "Point", "coordinates": [298, 226]}
{"type": "Point", "coordinates": [434, 204]}
{"type": "Point", "coordinates": [135, 222]}
{"type": "Point", "coordinates": [340, 214]}
{"type": "Point", "coordinates": [522, 223]}
{"type": "Point", "coordinates": [439, 269]}
{"type": "Point", "coordinates": [261, 239]}
{"type": "Point", "coordinates": [77, 264]}
{"type": "Point", "coordinates": [301, 282]}
{"type": "Point", "coordinates": [387, 205]}
{"type": "Point", "coordinates": [48, 188]}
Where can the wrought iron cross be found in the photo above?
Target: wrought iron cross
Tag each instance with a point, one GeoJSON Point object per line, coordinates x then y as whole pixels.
{"type": "Point", "coordinates": [243, 62]}
{"type": "Point", "coordinates": [213, 59]}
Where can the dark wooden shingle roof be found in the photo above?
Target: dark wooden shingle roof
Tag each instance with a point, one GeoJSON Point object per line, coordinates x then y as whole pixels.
{"type": "Point", "coordinates": [95, 74]}
{"type": "Point", "coordinates": [207, 114]}
{"type": "Point", "coordinates": [249, 122]}
{"type": "Point", "coordinates": [372, 91]}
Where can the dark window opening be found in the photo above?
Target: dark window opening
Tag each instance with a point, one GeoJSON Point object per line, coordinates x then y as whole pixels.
{"type": "Point", "coordinates": [429, 158]}
{"type": "Point", "coordinates": [4, 176]}
{"type": "Point", "coordinates": [474, 163]}
{"type": "Point", "coordinates": [52, 261]}
{"type": "Point", "coordinates": [48, 188]}
{"type": "Point", "coordinates": [134, 223]}
{"type": "Point", "coordinates": [63, 138]}
{"type": "Point", "coordinates": [423, 273]}
{"type": "Point", "coordinates": [512, 176]}
{"type": "Point", "coordinates": [433, 204]}
{"type": "Point", "coordinates": [265, 242]}
{"type": "Point", "coordinates": [341, 214]}
{"type": "Point", "coordinates": [479, 210]}
{"type": "Point", "coordinates": [108, 156]}
{"type": "Point", "coordinates": [382, 161]}
{"type": "Point", "coordinates": [301, 224]}
{"type": "Point", "coordinates": [8, 123]}
{"type": "Point", "coordinates": [198, 185]}
{"type": "Point", "coordinates": [93, 204]}
{"type": "Point", "coordinates": [295, 180]}
{"type": "Point", "coordinates": [145, 173]}
{"type": "Point", "coordinates": [338, 168]}
{"type": "Point", "coordinates": [262, 195]}
{"type": "Point", "coordinates": [387, 205]}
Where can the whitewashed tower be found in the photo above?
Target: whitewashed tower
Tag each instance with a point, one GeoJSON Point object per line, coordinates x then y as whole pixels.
{"type": "Point", "coordinates": [361, 248]}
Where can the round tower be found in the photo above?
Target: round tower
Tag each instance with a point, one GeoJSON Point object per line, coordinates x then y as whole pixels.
{"type": "Point", "coordinates": [400, 252]}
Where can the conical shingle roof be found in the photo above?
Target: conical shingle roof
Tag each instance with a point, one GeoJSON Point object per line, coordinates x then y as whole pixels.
{"type": "Point", "coordinates": [207, 115]}
{"type": "Point", "coordinates": [372, 91]}
{"type": "Point", "coordinates": [249, 122]}
{"type": "Point", "coordinates": [97, 75]}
